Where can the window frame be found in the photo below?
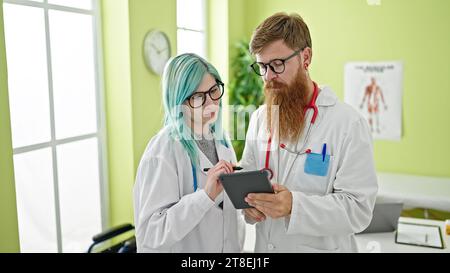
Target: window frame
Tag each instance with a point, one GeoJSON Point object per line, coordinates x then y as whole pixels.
{"type": "Point", "coordinates": [204, 32]}
{"type": "Point", "coordinates": [100, 134]}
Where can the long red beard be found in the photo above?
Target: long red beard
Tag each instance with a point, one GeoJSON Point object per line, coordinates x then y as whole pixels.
{"type": "Point", "coordinates": [291, 101]}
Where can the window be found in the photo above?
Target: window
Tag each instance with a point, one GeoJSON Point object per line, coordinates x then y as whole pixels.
{"type": "Point", "coordinates": [191, 22]}
{"type": "Point", "coordinates": [57, 122]}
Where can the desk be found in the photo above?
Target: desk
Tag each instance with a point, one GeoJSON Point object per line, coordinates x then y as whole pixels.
{"type": "Point", "coordinates": [415, 191]}
{"type": "Point", "coordinates": [385, 242]}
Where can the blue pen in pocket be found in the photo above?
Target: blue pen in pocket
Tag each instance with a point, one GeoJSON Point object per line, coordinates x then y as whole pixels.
{"type": "Point", "coordinates": [324, 151]}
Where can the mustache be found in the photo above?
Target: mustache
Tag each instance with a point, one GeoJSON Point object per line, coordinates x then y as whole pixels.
{"type": "Point", "coordinates": [273, 84]}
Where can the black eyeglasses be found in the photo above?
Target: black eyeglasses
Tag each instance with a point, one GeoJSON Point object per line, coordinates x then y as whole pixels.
{"type": "Point", "coordinates": [277, 66]}
{"type": "Point", "coordinates": [198, 99]}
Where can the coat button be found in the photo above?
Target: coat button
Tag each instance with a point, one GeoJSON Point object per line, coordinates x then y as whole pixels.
{"type": "Point", "coordinates": [270, 246]}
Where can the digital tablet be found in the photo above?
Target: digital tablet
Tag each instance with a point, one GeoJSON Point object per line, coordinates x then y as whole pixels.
{"type": "Point", "coordinates": [239, 185]}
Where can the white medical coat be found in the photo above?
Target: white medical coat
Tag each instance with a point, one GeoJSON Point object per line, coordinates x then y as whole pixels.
{"type": "Point", "coordinates": [169, 215]}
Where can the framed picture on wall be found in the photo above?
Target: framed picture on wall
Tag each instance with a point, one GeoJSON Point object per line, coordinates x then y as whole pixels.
{"type": "Point", "coordinates": [376, 91]}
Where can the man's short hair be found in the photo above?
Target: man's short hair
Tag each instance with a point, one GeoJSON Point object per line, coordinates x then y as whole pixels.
{"type": "Point", "coordinates": [281, 26]}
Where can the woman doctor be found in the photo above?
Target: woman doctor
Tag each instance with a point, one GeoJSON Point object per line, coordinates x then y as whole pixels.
{"type": "Point", "coordinates": [178, 207]}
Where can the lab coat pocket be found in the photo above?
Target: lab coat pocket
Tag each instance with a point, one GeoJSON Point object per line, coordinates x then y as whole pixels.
{"type": "Point", "coordinates": [317, 165]}
{"type": "Point", "coordinates": [313, 177]}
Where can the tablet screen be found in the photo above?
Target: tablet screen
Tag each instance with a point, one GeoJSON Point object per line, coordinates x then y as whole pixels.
{"type": "Point", "coordinates": [239, 185]}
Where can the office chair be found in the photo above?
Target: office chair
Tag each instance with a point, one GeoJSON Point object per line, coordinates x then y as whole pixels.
{"type": "Point", "coordinates": [125, 246]}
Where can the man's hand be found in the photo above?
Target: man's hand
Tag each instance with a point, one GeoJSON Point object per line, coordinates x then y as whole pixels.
{"type": "Point", "coordinates": [276, 205]}
{"type": "Point", "coordinates": [254, 215]}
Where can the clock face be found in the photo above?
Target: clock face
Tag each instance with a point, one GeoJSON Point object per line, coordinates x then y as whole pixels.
{"type": "Point", "coordinates": [156, 51]}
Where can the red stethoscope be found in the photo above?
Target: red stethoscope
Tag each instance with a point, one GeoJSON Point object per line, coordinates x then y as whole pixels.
{"type": "Point", "coordinates": [312, 105]}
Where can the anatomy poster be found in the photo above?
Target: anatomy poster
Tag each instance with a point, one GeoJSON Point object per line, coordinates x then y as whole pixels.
{"type": "Point", "coordinates": [375, 90]}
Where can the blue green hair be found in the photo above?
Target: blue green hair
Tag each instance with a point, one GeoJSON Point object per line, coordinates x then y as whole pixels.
{"type": "Point", "coordinates": [182, 76]}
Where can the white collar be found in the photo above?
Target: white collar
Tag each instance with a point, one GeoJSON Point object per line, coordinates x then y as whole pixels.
{"type": "Point", "coordinates": [326, 97]}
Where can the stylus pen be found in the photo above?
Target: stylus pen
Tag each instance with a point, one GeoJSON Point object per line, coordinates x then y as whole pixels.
{"type": "Point", "coordinates": [234, 168]}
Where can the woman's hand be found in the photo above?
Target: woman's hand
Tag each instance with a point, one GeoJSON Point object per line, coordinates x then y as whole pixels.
{"type": "Point", "coordinates": [213, 186]}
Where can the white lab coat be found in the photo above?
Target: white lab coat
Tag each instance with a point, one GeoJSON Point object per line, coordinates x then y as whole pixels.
{"type": "Point", "coordinates": [169, 216]}
{"type": "Point", "coordinates": [326, 211]}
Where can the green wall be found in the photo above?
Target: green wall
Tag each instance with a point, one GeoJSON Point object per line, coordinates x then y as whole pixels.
{"type": "Point", "coordinates": [416, 32]}
{"type": "Point", "coordinates": [118, 97]}
{"type": "Point", "coordinates": [133, 93]}
{"type": "Point", "coordinates": [147, 96]}
{"type": "Point", "coordinates": [9, 235]}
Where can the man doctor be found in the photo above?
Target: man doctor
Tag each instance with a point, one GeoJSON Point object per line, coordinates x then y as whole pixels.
{"type": "Point", "coordinates": [317, 150]}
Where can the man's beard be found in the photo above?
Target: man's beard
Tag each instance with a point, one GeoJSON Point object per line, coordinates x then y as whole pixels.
{"type": "Point", "coordinates": [291, 101]}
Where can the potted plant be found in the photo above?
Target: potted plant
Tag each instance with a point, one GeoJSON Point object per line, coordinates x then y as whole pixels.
{"type": "Point", "coordinates": [245, 93]}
